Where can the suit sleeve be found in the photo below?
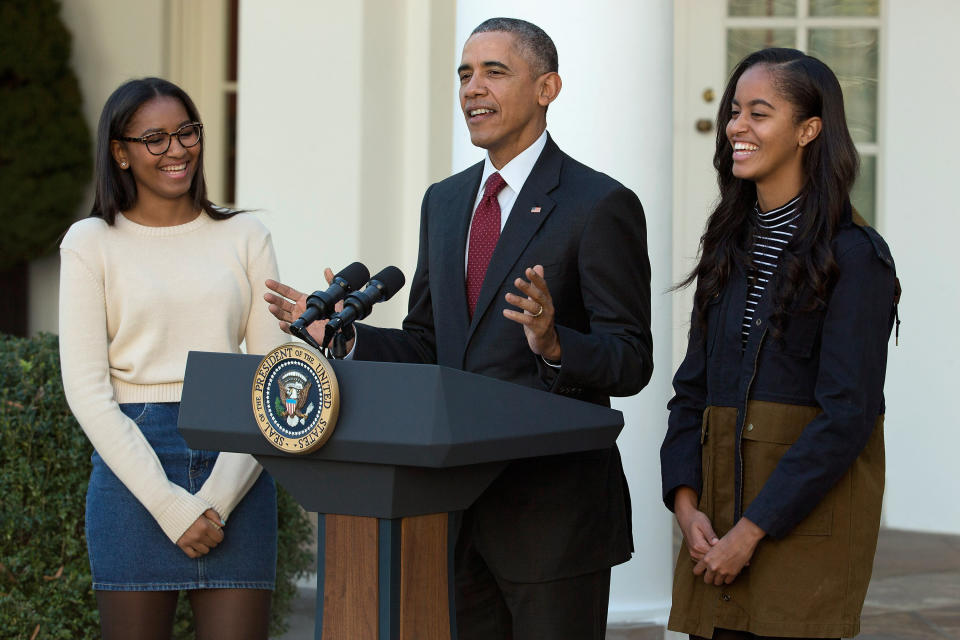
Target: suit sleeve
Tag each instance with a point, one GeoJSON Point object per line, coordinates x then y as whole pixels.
{"type": "Point", "coordinates": [849, 390]}
{"type": "Point", "coordinates": [416, 342]}
{"type": "Point", "coordinates": [615, 357]}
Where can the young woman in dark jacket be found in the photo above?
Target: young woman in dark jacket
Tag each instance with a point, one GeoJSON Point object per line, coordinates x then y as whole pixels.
{"type": "Point", "coordinates": [773, 459]}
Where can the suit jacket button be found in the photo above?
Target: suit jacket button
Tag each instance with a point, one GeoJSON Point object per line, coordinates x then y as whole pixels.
{"type": "Point", "coordinates": [759, 322]}
{"type": "Point", "coordinates": [725, 597]}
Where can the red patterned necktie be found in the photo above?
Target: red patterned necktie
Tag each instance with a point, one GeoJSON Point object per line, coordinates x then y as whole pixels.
{"type": "Point", "coordinates": [484, 233]}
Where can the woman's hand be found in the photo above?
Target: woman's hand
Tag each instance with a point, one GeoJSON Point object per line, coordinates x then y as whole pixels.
{"type": "Point", "coordinates": [204, 534]}
{"type": "Point", "coordinates": [724, 561]}
{"type": "Point", "coordinates": [697, 531]}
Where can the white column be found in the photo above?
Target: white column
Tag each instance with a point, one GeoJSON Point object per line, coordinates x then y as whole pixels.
{"type": "Point", "coordinates": [919, 169]}
{"type": "Point", "coordinates": [299, 131]}
{"type": "Point", "coordinates": [614, 113]}
{"type": "Point", "coordinates": [343, 123]}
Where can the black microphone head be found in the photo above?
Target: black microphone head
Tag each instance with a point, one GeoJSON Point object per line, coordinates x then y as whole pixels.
{"type": "Point", "coordinates": [391, 280]}
{"type": "Point", "coordinates": [355, 275]}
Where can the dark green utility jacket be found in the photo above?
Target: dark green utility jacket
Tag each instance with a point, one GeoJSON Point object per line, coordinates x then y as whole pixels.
{"type": "Point", "coordinates": [789, 433]}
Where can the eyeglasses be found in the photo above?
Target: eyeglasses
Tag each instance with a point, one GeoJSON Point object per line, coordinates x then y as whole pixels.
{"type": "Point", "coordinates": [157, 143]}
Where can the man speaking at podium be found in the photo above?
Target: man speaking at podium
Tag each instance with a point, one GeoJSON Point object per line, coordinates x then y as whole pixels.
{"type": "Point", "coordinates": [533, 269]}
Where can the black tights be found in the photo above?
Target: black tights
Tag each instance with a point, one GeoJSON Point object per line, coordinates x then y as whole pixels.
{"type": "Point", "coordinates": [218, 614]}
{"type": "Point", "coordinates": [727, 634]}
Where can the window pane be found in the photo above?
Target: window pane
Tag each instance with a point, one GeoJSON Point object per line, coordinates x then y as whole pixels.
{"type": "Point", "coordinates": [853, 55]}
{"type": "Point", "coordinates": [864, 193]}
{"type": "Point", "coordinates": [233, 11]}
{"type": "Point", "coordinates": [230, 181]}
{"type": "Point", "coordinates": [844, 7]}
{"type": "Point", "coordinates": [762, 7]}
{"type": "Point", "coordinates": [742, 42]}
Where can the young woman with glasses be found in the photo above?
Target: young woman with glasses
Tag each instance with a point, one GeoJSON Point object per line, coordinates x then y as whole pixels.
{"type": "Point", "coordinates": [773, 458]}
{"type": "Point", "coordinates": [154, 272]}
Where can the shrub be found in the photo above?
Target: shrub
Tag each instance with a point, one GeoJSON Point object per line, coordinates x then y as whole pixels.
{"type": "Point", "coordinates": [45, 154]}
{"type": "Point", "coordinates": [45, 584]}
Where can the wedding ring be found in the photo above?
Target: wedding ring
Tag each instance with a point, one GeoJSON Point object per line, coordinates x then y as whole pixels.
{"type": "Point", "coordinates": [538, 313]}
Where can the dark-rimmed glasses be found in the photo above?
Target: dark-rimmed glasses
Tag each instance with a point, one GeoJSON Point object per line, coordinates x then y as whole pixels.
{"type": "Point", "coordinates": [157, 143]}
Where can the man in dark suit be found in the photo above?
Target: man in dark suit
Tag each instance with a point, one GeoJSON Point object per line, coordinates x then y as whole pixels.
{"type": "Point", "coordinates": [533, 268]}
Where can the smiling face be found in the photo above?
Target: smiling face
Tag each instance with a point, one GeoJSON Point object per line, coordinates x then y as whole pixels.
{"type": "Point", "coordinates": [503, 101]}
{"type": "Point", "coordinates": [167, 176]}
{"type": "Point", "coordinates": [767, 142]}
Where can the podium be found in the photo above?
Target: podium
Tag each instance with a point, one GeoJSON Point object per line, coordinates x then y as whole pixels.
{"type": "Point", "coordinates": [413, 443]}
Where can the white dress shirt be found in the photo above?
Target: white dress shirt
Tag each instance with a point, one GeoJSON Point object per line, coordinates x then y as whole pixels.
{"type": "Point", "coordinates": [514, 173]}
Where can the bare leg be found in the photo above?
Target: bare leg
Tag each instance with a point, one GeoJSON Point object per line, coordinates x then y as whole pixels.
{"type": "Point", "coordinates": [231, 614]}
{"type": "Point", "coordinates": [136, 615]}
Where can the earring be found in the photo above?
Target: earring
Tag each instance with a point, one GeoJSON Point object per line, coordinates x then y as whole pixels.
{"type": "Point", "coordinates": [123, 164]}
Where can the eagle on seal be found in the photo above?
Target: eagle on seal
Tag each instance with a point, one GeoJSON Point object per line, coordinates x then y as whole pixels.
{"type": "Point", "coordinates": [295, 393]}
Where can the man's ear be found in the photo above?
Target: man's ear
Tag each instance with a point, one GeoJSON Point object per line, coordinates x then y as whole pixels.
{"type": "Point", "coordinates": [550, 85]}
{"type": "Point", "coordinates": [809, 131]}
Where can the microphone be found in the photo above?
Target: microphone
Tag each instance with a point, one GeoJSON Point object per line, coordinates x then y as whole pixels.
{"type": "Point", "coordinates": [358, 304]}
{"type": "Point", "coordinates": [321, 304]}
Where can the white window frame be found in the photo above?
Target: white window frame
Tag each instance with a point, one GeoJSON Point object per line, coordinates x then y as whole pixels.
{"type": "Point", "coordinates": [801, 24]}
{"type": "Point", "coordinates": [197, 39]}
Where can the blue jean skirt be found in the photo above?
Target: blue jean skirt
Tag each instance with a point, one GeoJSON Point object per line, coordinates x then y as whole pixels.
{"type": "Point", "coordinates": [128, 549]}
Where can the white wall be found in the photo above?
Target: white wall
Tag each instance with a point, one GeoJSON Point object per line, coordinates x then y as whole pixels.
{"type": "Point", "coordinates": [614, 114]}
{"type": "Point", "coordinates": [298, 152]}
{"type": "Point", "coordinates": [921, 223]}
{"type": "Point", "coordinates": [339, 134]}
{"type": "Point", "coordinates": [110, 44]}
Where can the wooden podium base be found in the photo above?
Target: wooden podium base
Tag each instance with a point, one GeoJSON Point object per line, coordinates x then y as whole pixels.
{"type": "Point", "coordinates": [380, 579]}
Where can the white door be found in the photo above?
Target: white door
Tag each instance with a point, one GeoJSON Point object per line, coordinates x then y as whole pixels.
{"type": "Point", "coordinates": [710, 37]}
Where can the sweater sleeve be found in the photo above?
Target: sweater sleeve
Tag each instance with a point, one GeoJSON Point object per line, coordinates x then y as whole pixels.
{"type": "Point", "coordinates": [86, 383]}
{"type": "Point", "coordinates": [234, 473]}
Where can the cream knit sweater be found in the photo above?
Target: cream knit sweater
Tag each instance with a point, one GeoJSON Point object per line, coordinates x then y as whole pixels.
{"type": "Point", "coordinates": [133, 301]}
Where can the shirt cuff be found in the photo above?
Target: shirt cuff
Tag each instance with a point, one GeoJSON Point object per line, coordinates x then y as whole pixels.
{"type": "Point", "coordinates": [550, 363]}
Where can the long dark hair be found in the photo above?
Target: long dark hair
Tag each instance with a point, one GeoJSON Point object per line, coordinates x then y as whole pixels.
{"type": "Point", "coordinates": [116, 190]}
{"type": "Point", "coordinates": [830, 165]}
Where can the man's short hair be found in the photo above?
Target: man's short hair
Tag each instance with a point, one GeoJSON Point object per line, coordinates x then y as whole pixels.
{"type": "Point", "coordinates": [534, 44]}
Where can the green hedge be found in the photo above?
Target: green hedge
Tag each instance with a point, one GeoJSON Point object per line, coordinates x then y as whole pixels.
{"type": "Point", "coordinates": [45, 584]}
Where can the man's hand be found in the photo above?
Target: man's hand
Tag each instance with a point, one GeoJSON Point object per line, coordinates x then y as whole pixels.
{"type": "Point", "coordinates": [535, 314]}
{"type": "Point", "coordinates": [697, 531]}
{"type": "Point", "coordinates": [723, 563]}
{"type": "Point", "coordinates": [204, 534]}
{"type": "Point", "coordinates": [287, 304]}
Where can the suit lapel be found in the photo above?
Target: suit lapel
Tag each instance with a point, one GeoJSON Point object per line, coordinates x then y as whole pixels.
{"type": "Point", "coordinates": [530, 210]}
{"type": "Point", "coordinates": [450, 284]}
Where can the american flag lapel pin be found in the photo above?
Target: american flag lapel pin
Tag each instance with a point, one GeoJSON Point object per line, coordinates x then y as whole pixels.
{"type": "Point", "coordinates": [535, 210]}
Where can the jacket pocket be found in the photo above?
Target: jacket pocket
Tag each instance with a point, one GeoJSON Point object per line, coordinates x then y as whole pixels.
{"type": "Point", "coordinates": [800, 335]}
{"type": "Point", "coordinates": [765, 440]}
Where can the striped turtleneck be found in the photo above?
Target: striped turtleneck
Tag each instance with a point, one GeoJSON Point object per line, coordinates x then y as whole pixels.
{"type": "Point", "coordinates": [772, 233]}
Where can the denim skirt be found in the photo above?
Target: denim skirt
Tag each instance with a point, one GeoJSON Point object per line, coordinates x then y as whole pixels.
{"type": "Point", "coordinates": [128, 549]}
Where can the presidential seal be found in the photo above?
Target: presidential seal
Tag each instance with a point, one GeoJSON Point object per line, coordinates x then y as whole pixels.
{"type": "Point", "coordinates": [296, 399]}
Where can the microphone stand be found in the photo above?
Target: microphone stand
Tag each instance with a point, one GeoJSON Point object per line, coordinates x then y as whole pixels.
{"type": "Point", "coordinates": [338, 342]}
{"type": "Point", "coordinates": [338, 348]}
{"type": "Point", "coordinates": [305, 336]}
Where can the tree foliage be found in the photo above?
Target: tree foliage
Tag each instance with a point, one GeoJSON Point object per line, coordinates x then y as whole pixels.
{"type": "Point", "coordinates": [45, 152]}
